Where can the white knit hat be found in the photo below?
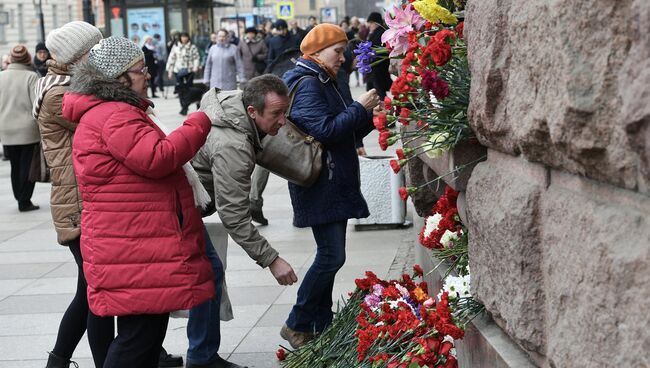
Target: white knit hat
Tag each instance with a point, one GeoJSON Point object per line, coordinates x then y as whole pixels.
{"type": "Point", "coordinates": [71, 41]}
{"type": "Point", "coordinates": [114, 55]}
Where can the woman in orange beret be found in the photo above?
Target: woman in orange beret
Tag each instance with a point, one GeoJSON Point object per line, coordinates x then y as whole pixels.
{"type": "Point", "coordinates": [319, 110]}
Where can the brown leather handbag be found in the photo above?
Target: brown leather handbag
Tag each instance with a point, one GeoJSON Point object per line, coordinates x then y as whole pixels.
{"type": "Point", "coordinates": [292, 154]}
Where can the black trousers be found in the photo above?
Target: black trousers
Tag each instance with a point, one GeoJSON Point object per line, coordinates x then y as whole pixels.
{"type": "Point", "coordinates": [78, 318]}
{"type": "Point", "coordinates": [20, 158]}
{"type": "Point", "coordinates": [182, 85]}
{"type": "Point", "coordinates": [138, 342]}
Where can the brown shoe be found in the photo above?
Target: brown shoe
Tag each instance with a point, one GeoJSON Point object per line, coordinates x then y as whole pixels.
{"type": "Point", "coordinates": [296, 338]}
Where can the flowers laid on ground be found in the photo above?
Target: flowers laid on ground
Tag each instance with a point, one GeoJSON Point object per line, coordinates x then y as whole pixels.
{"type": "Point", "coordinates": [392, 324]}
{"type": "Point", "coordinates": [444, 233]}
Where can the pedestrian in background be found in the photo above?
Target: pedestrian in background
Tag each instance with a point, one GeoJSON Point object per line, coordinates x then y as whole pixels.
{"type": "Point", "coordinates": [6, 60]}
{"type": "Point", "coordinates": [69, 45]}
{"type": "Point", "coordinates": [149, 50]}
{"type": "Point", "coordinates": [297, 32]}
{"type": "Point", "coordinates": [223, 64]}
{"type": "Point", "coordinates": [18, 129]}
{"type": "Point", "coordinates": [379, 78]}
{"type": "Point", "coordinates": [40, 59]}
{"type": "Point", "coordinates": [281, 42]}
{"type": "Point", "coordinates": [161, 56]}
{"type": "Point", "coordinates": [141, 229]}
{"type": "Point", "coordinates": [183, 63]}
{"type": "Point", "coordinates": [319, 110]}
{"type": "Point", "coordinates": [252, 52]}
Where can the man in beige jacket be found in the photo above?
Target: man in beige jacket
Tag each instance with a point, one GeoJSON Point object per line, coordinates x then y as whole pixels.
{"type": "Point", "coordinates": [226, 162]}
{"type": "Point", "coordinates": [225, 165]}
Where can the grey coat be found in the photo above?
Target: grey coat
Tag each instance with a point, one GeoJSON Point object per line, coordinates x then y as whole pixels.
{"type": "Point", "coordinates": [17, 95]}
{"type": "Point", "coordinates": [225, 165]}
{"type": "Point", "coordinates": [222, 66]}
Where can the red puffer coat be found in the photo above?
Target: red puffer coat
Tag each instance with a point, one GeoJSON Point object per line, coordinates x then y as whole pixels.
{"type": "Point", "coordinates": [141, 233]}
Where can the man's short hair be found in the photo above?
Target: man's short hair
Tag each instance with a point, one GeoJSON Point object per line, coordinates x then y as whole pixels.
{"type": "Point", "coordinates": [257, 88]}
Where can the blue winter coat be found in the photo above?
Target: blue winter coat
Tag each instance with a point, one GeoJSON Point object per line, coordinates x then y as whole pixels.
{"type": "Point", "coordinates": [319, 110]}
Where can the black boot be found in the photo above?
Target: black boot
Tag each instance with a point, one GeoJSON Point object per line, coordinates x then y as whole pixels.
{"type": "Point", "coordinates": [169, 360]}
{"type": "Point", "coordinates": [55, 361]}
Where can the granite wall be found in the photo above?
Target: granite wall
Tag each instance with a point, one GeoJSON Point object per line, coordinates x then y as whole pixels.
{"type": "Point", "coordinates": [559, 214]}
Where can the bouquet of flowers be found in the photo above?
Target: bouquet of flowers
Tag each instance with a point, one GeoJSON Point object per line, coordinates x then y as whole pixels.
{"type": "Point", "coordinates": [428, 111]}
{"type": "Point", "coordinates": [392, 324]}
{"type": "Point", "coordinates": [443, 228]}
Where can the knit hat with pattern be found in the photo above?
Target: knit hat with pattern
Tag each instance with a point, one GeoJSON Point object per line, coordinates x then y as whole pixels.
{"type": "Point", "coordinates": [70, 42]}
{"type": "Point", "coordinates": [114, 55]}
{"type": "Point", "coordinates": [20, 55]}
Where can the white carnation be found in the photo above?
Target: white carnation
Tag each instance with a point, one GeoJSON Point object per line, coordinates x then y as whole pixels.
{"type": "Point", "coordinates": [431, 224]}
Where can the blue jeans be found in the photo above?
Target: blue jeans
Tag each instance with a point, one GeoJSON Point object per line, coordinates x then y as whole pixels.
{"type": "Point", "coordinates": [313, 309]}
{"type": "Point", "coordinates": [204, 324]}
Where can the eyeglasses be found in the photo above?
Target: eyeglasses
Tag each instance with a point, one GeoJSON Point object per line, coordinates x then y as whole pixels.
{"type": "Point", "coordinates": [143, 71]}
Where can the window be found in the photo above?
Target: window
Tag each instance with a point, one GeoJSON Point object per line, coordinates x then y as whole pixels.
{"type": "Point", "coordinates": [3, 37]}
{"type": "Point", "coordinates": [70, 14]}
{"type": "Point", "coordinates": [21, 24]}
{"type": "Point", "coordinates": [312, 4]}
{"type": "Point", "coordinates": [55, 17]}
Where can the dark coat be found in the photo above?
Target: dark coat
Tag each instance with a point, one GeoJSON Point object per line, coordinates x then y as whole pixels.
{"type": "Point", "coordinates": [150, 60]}
{"type": "Point", "coordinates": [379, 77]}
{"type": "Point", "coordinates": [319, 110]}
{"type": "Point", "coordinates": [279, 44]}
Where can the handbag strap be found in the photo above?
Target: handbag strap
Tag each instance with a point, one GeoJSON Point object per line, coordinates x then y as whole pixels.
{"type": "Point", "coordinates": [292, 94]}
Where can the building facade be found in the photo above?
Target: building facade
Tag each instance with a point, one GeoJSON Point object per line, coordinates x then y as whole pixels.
{"type": "Point", "coordinates": [20, 20]}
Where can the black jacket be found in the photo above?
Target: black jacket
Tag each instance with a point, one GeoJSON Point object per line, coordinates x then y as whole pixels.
{"type": "Point", "coordinates": [278, 45]}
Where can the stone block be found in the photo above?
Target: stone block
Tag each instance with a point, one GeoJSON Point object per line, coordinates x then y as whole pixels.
{"type": "Point", "coordinates": [424, 199]}
{"type": "Point", "coordinates": [596, 242]}
{"type": "Point", "coordinates": [503, 199]}
{"type": "Point", "coordinates": [563, 83]}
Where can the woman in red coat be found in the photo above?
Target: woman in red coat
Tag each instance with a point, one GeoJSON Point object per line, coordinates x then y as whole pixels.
{"type": "Point", "coordinates": [142, 235]}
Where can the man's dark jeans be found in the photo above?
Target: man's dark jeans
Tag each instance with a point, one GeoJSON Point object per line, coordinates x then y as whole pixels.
{"type": "Point", "coordinates": [204, 325]}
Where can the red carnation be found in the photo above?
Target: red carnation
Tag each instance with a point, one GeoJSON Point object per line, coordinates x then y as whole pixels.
{"type": "Point", "coordinates": [444, 35]}
{"type": "Point", "coordinates": [395, 166]}
{"type": "Point", "coordinates": [404, 115]}
{"type": "Point", "coordinates": [280, 354]}
{"type": "Point", "coordinates": [380, 121]}
{"type": "Point", "coordinates": [404, 192]}
{"type": "Point", "coordinates": [459, 29]}
{"type": "Point", "coordinates": [387, 103]}
{"type": "Point", "coordinates": [400, 154]}
{"type": "Point", "coordinates": [418, 270]}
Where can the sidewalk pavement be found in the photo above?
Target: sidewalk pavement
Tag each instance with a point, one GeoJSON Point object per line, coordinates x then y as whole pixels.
{"type": "Point", "coordinates": [38, 276]}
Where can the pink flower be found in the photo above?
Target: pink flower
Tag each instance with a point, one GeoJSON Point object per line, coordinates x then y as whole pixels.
{"type": "Point", "coordinates": [372, 300]}
{"type": "Point", "coordinates": [404, 22]}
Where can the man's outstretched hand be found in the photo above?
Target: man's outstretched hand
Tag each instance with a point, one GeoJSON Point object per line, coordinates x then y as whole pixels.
{"type": "Point", "coordinates": [283, 272]}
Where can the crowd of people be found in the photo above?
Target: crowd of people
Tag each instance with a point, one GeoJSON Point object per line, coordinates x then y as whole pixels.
{"type": "Point", "coordinates": [128, 195]}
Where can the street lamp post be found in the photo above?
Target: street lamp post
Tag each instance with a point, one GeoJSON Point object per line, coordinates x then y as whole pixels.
{"type": "Point", "coordinates": [41, 20]}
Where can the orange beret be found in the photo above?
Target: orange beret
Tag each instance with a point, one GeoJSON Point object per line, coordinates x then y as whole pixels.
{"type": "Point", "coordinates": [322, 36]}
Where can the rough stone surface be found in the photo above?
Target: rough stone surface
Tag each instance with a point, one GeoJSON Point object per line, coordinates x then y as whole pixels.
{"type": "Point", "coordinates": [564, 83]}
{"type": "Point", "coordinates": [503, 200]}
{"type": "Point", "coordinates": [424, 199]}
{"type": "Point", "coordinates": [596, 241]}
